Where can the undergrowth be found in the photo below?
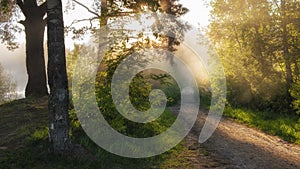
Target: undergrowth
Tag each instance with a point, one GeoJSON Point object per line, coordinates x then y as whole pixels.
{"type": "Point", "coordinates": [286, 126]}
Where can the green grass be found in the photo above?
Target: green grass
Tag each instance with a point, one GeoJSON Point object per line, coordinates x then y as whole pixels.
{"type": "Point", "coordinates": [285, 126]}
{"type": "Point", "coordinates": [205, 100]}
{"type": "Point", "coordinates": [24, 125]}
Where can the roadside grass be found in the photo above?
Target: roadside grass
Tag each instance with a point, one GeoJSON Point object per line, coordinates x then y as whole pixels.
{"type": "Point", "coordinates": [285, 126]}
{"type": "Point", "coordinates": [25, 144]}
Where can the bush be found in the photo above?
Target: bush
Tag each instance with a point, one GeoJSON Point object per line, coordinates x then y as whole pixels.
{"type": "Point", "coordinates": [286, 126]}
{"type": "Point", "coordinates": [139, 91]}
{"type": "Point", "coordinates": [295, 92]}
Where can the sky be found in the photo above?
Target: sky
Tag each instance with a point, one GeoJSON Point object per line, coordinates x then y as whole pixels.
{"type": "Point", "coordinates": [199, 12]}
{"type": "Point", "coordinates": [14, 61]}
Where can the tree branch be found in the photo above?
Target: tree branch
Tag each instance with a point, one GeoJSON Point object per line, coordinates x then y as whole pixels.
{"type": "Point", "coordinates": [43, 8]}
{"type": "Point", "coordinates": [22, 22]}
{"type": "Point", "coordinates": [88, 9]}
{"type": "Point", "coordinates": [121, 14]}
{"type": "Point", "coordinates": [82, 20]}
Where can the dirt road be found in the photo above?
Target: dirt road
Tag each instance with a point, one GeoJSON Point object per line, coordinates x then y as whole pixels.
{"type": "Point", "coordinates": [235, 145]}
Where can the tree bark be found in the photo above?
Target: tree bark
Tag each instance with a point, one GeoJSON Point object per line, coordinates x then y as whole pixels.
{"type": "Point", "coordinates": [104, 13]}
{"type": "Point", "coordinates": [35, 63]}
{"type": "Point", "coordinates": [57, 79]}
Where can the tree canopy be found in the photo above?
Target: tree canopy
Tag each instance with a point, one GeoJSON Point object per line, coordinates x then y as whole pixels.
{"type": "Point", "coordinates": [259, 43]}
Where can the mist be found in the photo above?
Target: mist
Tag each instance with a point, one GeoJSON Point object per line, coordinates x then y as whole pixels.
{"type": "Point", "coordinates": [13, 63]}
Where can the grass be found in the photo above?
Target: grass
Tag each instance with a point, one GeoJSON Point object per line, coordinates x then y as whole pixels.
{"type": "Point", "coordinates": [19, 119]}
{"type": "Point", "coordinates": [285, 126]}
{"type": "Point", "coordinates": [24, 143]}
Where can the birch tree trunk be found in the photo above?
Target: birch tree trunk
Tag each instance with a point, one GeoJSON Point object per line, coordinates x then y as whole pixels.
{"type": "Point", "coordinates": [57, 79]}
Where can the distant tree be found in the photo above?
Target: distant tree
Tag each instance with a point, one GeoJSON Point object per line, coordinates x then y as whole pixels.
{"type": "Point", "coordinates": [7, 86]}
{"type": "Point", "coordinates": [57, 75]}
{"type": "Point", "coordinates": [103, 10]}
{"type": "Point", "coordinates": [71, 59]}
{"type": "Point", "coordinates": [57, 79]}
{"type": "Point", "coordinates": [34, 25]}
{"type": "Point", "coordinates": [258, 42]}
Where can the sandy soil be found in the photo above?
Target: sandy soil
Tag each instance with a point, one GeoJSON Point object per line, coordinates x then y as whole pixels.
{"type": "Point", "coordinates": [234, 145]}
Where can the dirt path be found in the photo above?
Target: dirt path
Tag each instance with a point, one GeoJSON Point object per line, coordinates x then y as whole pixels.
{"type": "Point", "coordinates": [235, 145]}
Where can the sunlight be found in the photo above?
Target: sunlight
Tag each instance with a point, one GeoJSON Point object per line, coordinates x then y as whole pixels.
{"type": "Point", "coordinates": [138, 29]}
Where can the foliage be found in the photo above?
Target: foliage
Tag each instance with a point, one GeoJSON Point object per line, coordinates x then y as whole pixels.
{"type": "Point", "coordinates": [258, 43]}
{"type": "Point", "coordinates": [9, 15]}
{"type": "Point", "coordinates": [4, 4]}
{"type": "Point", "coordinates": [28, 146]}
{"type": "Point", "coordinates": [139, 87]}
{"type": "Point", "coordinates": [285, 126]}
{"type": "Point", "coordinates": [111, 10]}
{"type": "Point", "coordinates": [172, 92]}
{"type": "Point", "coordinates": [295, 91]}
{"type": "Point", "coordinates": [205, 99]}
{"type": "Point", "coordinates": [139, 93]}
{"type": "Point", "coordinates": [71, 59]}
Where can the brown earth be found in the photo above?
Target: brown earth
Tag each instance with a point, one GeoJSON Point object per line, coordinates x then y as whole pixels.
{"type": "Point", "coordinates": [234, 145]}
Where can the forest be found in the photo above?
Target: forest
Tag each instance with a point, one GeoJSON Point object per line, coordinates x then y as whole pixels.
{"type": "Point", "coordinates": [140, 87]}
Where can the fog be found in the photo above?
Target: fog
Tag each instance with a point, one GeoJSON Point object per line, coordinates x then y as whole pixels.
{"type": "Point", "coordinates": [13, 63]}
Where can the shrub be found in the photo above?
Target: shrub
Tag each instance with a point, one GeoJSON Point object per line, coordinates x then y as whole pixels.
{"type": "Point", "coordinates": [295, 92]}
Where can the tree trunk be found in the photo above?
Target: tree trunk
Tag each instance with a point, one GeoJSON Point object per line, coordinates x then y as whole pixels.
{"type": "Point", "coordinates": [104, 13]}
{"type": "Point", "coordinates": [35, 63]}
{"type": "Point", "coordinates": [287, 59]}
{"type": "Point", "coordinates": [57, 79]}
